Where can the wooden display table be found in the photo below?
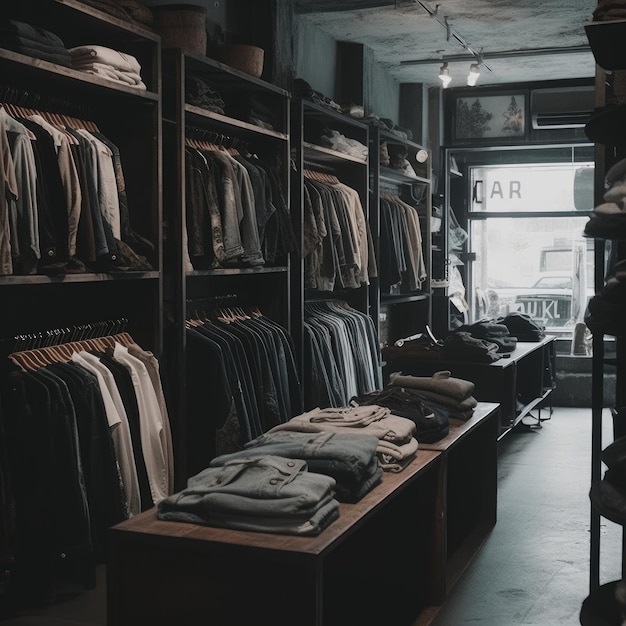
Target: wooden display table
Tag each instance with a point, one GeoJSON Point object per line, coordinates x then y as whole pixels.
{"type": "Point", "coordinates": [385, 558]}
{"type": "Point", "coordinates": [520, 382]}
{"type": "Point", "coordinates": [468, 488]}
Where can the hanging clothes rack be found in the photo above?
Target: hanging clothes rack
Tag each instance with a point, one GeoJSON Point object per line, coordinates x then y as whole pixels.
{"type": "Point", "coordinates": [34, 350]}
{"type": "Point", "coordinates": [204, 139]}
{"type": "Point", "coordinates": [56, 111]}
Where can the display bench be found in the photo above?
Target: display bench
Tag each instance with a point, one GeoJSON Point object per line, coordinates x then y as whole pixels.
{"type": "Point", "coordinates": [520, 382]}
{"type": "Point", "coordinates": [385, 557]}
{"type": "Point", "coordinates": [468, 488]}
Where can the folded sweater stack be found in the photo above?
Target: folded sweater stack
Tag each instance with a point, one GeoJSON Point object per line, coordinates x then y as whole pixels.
{"type": "Point", "coordinates": [34, 41]}
{"type": "Point", "coordinates": [441, 389]}
{"type": "Point", "coordinates": [108, 63]}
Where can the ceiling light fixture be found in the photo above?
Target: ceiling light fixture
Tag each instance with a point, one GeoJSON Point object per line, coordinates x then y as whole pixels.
{"type": "Point", "coordinates": [444, 75]}
{"type": "Point", "coordinates": [473, 75]}
{"type": "Point", "coordinates": [443, 21]}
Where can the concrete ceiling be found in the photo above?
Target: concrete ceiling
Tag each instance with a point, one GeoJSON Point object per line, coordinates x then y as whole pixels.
{"type": "Point", "coordinates": [523, 41]}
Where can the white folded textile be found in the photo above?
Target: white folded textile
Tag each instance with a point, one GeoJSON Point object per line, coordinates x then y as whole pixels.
{"type": "Point", "coordinates": [108, 56]}
{"type": "Point", "coordinates": [108, 71]}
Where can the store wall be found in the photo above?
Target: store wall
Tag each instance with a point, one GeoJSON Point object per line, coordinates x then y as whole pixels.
{"type": "Point", "coordinates": [315, 57]}
{"type": "Point", "coordinates": [345, 72]}
{"type": "Point", "coordinates": [381, 90]}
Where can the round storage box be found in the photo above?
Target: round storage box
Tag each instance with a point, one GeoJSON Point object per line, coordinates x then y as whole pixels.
{"type": "Point", "coordinates": [243, 57]}
{"type": "Point", "coordinates": [181, 26]}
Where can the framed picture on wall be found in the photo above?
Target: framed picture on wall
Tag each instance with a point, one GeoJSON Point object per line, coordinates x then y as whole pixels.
{"type": "Point", "coordinates": [490, 118]}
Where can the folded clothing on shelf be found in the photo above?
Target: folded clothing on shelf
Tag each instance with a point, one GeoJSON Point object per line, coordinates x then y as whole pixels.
{"type": "Point", "coordinates": [108, 63]}
{"type": "Point", "coordinates": [34, 41]}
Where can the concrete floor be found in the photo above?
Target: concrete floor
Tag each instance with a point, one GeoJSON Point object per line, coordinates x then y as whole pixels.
{"type": "Point", "coordinates": [534, 567]}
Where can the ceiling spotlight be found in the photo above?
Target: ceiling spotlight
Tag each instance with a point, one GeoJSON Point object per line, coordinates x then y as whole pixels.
{"type": "Point", "coordinates": [473, 75]}
{"type": "Point", "coordinates": [444, 75]}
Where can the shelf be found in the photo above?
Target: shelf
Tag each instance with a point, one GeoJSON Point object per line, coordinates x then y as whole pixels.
{"type": "Point", "coordinates": [74, 20]}
{"type": "Point", "coordinates": [390, 137]}
{"type": "Point", "coordinates": [39, 72]}
{"type": "Point", "coordinates": [225, 122]}
{"type": "Point", "coordinates": [233, 271]}
{"type": "Point", "coordinates": [44, 279]}
{"type": "Point", "coordinates": [224, 74]}
{"type": "Point", "coordinates": [312, 110]}
{"type": "Point", "coordinates": [395, 176]}
{"type": "Point", "coordinates": [312, 151]}
{"type": "Point", "coordinates": [400, 298]}
{"type": "Point", "coordinates": [608, 43]}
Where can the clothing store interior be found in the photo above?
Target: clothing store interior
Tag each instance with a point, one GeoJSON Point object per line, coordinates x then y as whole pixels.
{"type": "Point", "coordinates": [310, 312]}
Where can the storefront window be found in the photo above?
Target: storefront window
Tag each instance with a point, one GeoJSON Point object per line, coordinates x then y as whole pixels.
{"type": "Point", "coordinates": [525, 220]}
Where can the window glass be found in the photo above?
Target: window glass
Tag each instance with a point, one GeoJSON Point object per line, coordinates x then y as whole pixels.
{"type": "Point", "coordinates": [532, 188]}
{"type": "Point", "coordinates": [541, 266]}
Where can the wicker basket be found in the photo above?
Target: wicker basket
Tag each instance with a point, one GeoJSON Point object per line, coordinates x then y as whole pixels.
{"type": "Point", "coordinates": [181, 26]}
{"type": "Point", "coordinates": [243, 57]}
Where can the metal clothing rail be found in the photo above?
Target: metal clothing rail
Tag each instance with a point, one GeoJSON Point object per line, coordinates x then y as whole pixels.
{"type": "Point", "coordinates": [57, 336]}
{"type": "Point", "coordinates": [23, 98]}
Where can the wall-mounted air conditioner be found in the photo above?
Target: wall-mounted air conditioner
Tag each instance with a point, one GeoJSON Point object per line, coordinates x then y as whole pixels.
{"type": "Point", "coordinates": [561, 107]}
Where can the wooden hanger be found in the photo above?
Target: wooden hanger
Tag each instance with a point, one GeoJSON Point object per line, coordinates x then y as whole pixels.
{"type": "Point", "coordinates": [322, 177]}
{"type": "Point", "coordinates": [201, 144]}
{"type": "Point", "coordinates": [124, 338]}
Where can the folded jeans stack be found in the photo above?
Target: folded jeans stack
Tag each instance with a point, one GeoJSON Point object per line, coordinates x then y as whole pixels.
{"type": "Point", "coordinates": [262, 493]}
{"type": "Point", "coordinates": [350, 461]}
